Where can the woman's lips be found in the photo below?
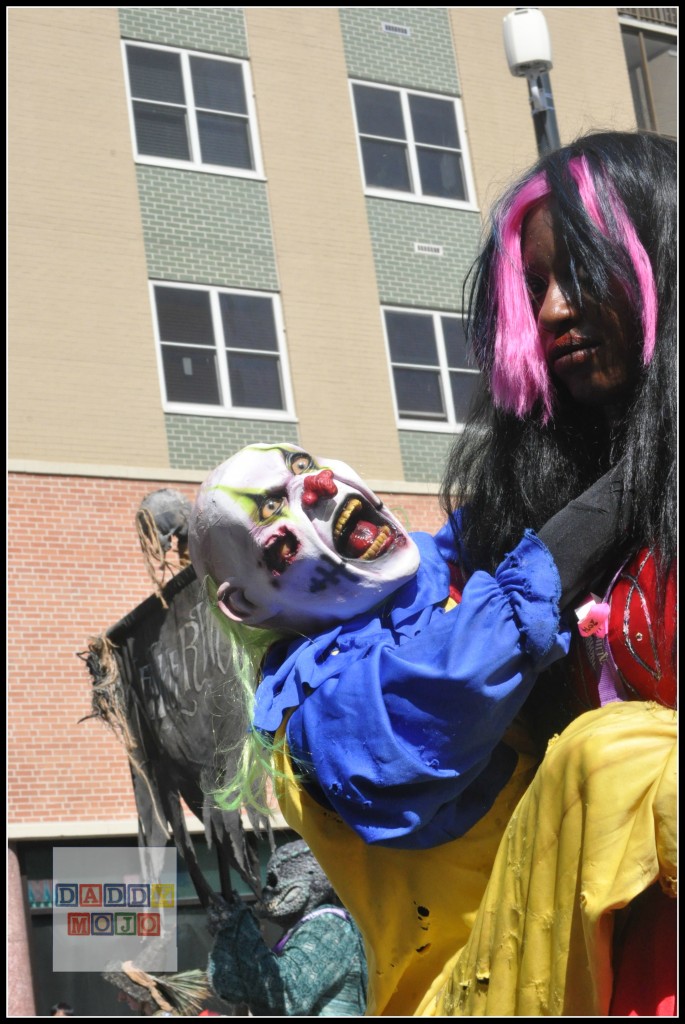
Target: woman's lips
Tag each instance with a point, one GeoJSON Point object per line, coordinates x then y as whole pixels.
{"type": "Point", "coordinates": [569, 353]}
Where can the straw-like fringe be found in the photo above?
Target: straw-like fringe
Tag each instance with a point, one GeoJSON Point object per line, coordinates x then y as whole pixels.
{"type": "Point", "coordinates": [157, 563]}
{"type": "Point", "coordinates": [182, 994]}
{"type": "Point", "coordinates": [109, 704]}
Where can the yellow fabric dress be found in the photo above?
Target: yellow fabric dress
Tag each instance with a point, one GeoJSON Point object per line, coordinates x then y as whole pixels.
{"type": "Point", "coordinates": [594, 829]}
{"type": "Point", "coordinates": [415, 908]}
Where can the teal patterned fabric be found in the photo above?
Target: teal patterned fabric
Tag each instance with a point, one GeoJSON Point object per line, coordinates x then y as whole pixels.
{"type": "Point", "coordinates": [319, 972]}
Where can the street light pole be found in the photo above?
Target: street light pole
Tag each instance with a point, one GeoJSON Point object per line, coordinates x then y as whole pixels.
{"type": "Point", "coordinates": [529, 55]}
{"type": "Point", "coordinates": [544, 116]}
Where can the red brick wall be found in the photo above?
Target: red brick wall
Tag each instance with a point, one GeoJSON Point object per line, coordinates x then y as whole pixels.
{"type": "Point", "coordinates": [74, 569]}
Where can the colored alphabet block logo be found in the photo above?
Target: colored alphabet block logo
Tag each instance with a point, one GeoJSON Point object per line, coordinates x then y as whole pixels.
{"type": "Point", "coordinates": [162, 894]}
{"type": "Point", "coordinates": [90, 894]}
{"type": "Point", "coordinates": [102, 924]}
{"type": "Point", "coordinates": [114, 894]}
{"type": "Point", "coordinates": [125, 924]}
{"type": "Point", "coordinates": [66, 895]}
{"type": "Point", "coordinates": [117, 894]}
{"type": "Point", "coordinates": [78, 924]}
{"type": "Point", "coordinates": [149, 925]}
{"type": "Point", "coordinates": [138, 894]}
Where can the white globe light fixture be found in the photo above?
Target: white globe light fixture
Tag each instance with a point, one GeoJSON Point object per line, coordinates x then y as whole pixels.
{"type": "Point", "coordinates": [529, 55]}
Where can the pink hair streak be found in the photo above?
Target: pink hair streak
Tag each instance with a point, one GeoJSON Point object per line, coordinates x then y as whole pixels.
{"type": "Point", "coordinates": [520, 376]}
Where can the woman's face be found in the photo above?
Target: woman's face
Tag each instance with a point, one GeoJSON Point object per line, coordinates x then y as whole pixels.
{"type": "Point", "coordinates": [594, 352]}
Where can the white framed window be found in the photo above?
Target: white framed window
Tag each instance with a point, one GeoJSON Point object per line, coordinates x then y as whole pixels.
{"type": "Point", "coordinates": [412, 145]}
{"type": "Point", "coordinates": [191, 110]}
{"type": "Point", "coordinates": [221, 351]}
{"type": "Point", "coordinates": [433, 378]}
{"type": "Point", "coordinates": [651, 52]}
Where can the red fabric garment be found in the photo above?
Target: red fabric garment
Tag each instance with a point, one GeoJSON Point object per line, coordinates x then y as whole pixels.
{"type": "Point", "coordinates": [640, 641]}
{"type": "Point", "coordinates": [641, 635]}
{"type": "Point", "coordinates": [645, 971]}
{"type": "Point", "coordinates": [457, 582]}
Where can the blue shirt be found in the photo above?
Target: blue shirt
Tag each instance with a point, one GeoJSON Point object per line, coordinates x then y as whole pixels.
{"type": "Point", "coordinates": [399, 713]}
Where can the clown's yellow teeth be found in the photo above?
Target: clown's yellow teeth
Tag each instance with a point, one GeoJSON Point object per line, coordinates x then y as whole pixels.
{"type": "Point", "coordinates": [380, 540]}
{"type": "Point", "coordinates": [353, 505]}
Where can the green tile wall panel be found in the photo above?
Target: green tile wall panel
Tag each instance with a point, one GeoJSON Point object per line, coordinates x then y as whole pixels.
{"type": "Point", "coordinates": [422, 60]}
{"type": "Point", "coordinates": [206, 228]}
{"type": "Point", "coordinates": [202, 442]}
{"type": "Point", "coordinates": [210, 29]}
{"type": "Point", "coordinates": [408, 278]}
{"type": "Point", "coordinates": [424, 455]}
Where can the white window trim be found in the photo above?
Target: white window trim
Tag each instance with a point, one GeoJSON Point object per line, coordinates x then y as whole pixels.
{"type": "Point", "coordinates": [196, 164]}
{"type": "Point", "coordinates": [648, 26]}
{"type": "Point", "coordinates": [416, 197]}
{"type": "Point", "coordinates": [451, 424]}
{"type": "Point", "coordinates": [226, 410]}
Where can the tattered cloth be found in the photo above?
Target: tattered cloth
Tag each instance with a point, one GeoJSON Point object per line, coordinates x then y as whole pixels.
{"type": "Point", "coordinates": [163, 680]}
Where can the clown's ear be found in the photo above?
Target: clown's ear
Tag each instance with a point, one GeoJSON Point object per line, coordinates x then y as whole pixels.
{"type": "Point", "coordinates": [231, 601]}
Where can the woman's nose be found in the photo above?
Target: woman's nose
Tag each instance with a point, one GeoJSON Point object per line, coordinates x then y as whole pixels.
{"type": "Point", "coordinates": [556, 309]}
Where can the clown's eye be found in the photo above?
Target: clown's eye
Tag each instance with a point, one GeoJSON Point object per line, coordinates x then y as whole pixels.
{"type": "Point", "coordinates": [271, 507]}
{"type": "Point", "coordinates": [301, 463]}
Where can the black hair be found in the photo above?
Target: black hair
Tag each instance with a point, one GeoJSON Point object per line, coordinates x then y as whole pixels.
{"type": "Point", "coordinates": [66, 1009]}
{"type": "Point", "coordinates": [514, 472]}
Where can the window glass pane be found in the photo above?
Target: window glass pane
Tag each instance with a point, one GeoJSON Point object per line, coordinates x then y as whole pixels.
{"type": "Point", "coordinates": [434, 121]}
{"type": "Point", "coordinates": [161, 131]}
{"type": "Point", "coordinates": [455, 343]}
{"type": "Point", "coordinates": [463, 389]}
{"type": "Point", "coordinates": [419, 394]}
{"type": "Point", "coordinates": [224, 140]}
{"type": "Point", "coordinates": [662, 66]}
{"type": "Point", "coordinates": [255, 381]}
{"type": "Point", "coordinates": [190, 375]}
{"type": "Point", "coordinates": [218, 85]}
{"type": "Point", "coordinates": [379, 112]}
{"type": "Point", "coordinates": [248, 322]}
{"type": "Point", "coordinates": [411, 338]}
{"type": "Point", "coordinates": [441, 174]}
{"type": "Point", "coordinates": [155, 75]}
{"type": "Point", "coordinates": [385, 165]}
{"type": "Point", "coordinates": [631, 47]}
{"type": "Point", "coordinates": [184, 314]}
{"type": "Point", "coordinates": [659, 75]}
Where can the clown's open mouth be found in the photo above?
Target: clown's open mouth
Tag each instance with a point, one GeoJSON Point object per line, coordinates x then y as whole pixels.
{"type": "Point", "coordinates": [280, 551]}
{"type": "Point", "coordinates": [360, 532]}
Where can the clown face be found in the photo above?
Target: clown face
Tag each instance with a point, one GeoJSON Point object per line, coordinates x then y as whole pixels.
{"type": "Point", "coordinates": [295, 542]}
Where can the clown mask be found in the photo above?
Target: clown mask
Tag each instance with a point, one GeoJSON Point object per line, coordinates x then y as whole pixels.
{"type": "Point", "coordinates": [297, 543]}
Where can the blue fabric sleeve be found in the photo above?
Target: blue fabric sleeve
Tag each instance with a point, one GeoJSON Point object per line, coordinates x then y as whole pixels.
{"type": "Point", "coordinates": [405, 744]}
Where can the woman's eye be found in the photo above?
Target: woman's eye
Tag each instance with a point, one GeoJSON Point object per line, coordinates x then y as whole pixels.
{"type": "Point", "coordinates": [537, 286]}
{"type": "Point", "coordinates": [586, 283]}
{"type": "Point", "coordinates": [301, 464]}
{"type": "Point", "coordinates": [271, 507]}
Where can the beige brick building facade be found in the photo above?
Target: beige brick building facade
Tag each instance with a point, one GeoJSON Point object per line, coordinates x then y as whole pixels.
{"type": "Point", "coordinates": [92, 427]}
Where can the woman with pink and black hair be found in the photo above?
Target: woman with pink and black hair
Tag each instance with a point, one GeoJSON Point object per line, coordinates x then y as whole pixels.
{"type": "Point", "coordinates": [549, 421]}
{"type": "Point", "coordinates": [573, 324]}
